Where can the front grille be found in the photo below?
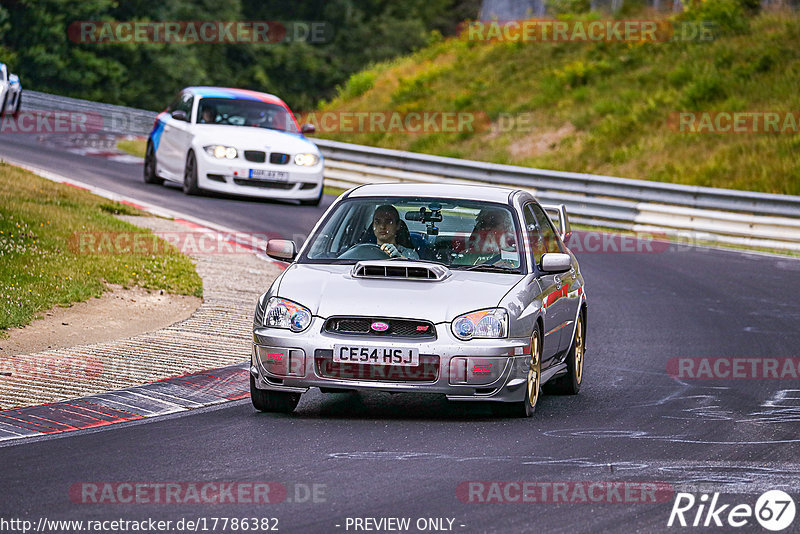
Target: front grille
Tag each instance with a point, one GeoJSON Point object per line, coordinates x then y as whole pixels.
{"type": "Point", "coordinates": [267, 184]}
{"type": "Point", "coordinates": [360, 326]}
{"type": "Point", "coordinates": [426, 371]}
{"type": "Point", "coordinates": [216, 177]}
{"type": "Point", "coordinates": [308, 185]}
{"type": "Point", "coordinates": [278, 158]}
{"type": "Point", "coordinates": [255, 155]}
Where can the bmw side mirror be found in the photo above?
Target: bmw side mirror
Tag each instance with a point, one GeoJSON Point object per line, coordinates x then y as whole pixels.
{"type": "Point", "coordinates": [555, 262]}
{"type": "Point", "coordinates": [180, 115]}
{"type": "Point", "coordinates": [281, 250]}
{"type": "Point", "coordinates": [308, 129]}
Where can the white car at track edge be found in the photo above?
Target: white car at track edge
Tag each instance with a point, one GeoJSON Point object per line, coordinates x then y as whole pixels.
{"type": "Point", "coordinates": [234, 141]}
{"type": "Point", "coordinates": [10, 92]}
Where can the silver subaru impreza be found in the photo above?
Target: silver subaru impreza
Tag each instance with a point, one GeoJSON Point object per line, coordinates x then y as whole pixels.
{"type": "Point", "coordinates": [462, 290]}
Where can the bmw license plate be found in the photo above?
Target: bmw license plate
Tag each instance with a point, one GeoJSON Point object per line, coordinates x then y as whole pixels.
{"type": "Point", "coordinates": [262, 174]}
{"type": "Point", "coordinates": [402, 356]}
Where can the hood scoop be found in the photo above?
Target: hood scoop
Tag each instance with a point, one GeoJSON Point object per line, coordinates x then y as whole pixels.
{"type": "Point", "coordinates": [401, 270]}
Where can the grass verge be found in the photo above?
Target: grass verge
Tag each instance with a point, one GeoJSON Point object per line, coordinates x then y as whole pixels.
{"type": "Point", "coordinates": [40, 264]}
{"type": "Point", "coordinates": [134, 147]}
{"type": "Point", "coordinates": [601, 107]}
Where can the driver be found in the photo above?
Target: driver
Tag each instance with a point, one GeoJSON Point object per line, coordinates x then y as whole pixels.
{"type": "Point", "coordinates": [209, 115]}
{"type": "Point", "coordinates": [392, 233]}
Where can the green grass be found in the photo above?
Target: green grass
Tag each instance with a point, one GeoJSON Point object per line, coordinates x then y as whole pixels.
{"type": "Point", "coordinates": [41, 264]}
{"type": "Point", "coordinates": [134, 147]}
{"type": "Point", "coordinates": [603, 107]}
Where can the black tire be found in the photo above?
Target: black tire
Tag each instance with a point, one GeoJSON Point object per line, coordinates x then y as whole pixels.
{"type": "Point", "coordinates": [570, 383]}
{"type": "Point", "coordinates": [527, 406]}
{"type": "Point", "coordinates": [19, 105]}
{"type": "Point", "coordinates": [272, 401]}
{"type": "Point", "coordinates": [313, 201]}
{"type": "Point", "coordinates": [150, 176]}
{"type": "Point", "coordinates": [190, 175]}
{"type": "Point", "coordinates": [3, 107]}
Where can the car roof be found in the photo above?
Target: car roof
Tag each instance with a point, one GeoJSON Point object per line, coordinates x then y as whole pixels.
{"type": "Point", "coordinates": [459, 191]}
{"type": "Point", "coordinates": [230, 92]}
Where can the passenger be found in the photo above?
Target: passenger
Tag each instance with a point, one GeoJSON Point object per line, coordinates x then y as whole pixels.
{"type": "Point", "coordinates": [493, 239]}
{"type": "Point", "coordinates": [392, 234]}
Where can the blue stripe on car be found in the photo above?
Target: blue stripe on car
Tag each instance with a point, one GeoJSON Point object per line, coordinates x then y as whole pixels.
{"type": "Point", "coordinates": [158, 128]}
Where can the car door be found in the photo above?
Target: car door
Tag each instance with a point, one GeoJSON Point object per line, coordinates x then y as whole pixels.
{"type": "Point", "coordinates": [171, 154]}
{"type": "Point", "coordinates": [543, 239]}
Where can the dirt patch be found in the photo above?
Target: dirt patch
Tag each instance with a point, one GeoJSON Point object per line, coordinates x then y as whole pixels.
{"type": "Point", "coordinates": [539, 142]}
{"type": "Point", "coordinates": [117, 314]}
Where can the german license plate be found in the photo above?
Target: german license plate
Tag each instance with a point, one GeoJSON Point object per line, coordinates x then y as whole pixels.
{"type": "Point", "coordinates": [402, 356]}
{"type": "Point", "coordinates": [262, 174]}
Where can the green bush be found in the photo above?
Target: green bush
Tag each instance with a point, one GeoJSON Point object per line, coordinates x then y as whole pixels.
{"type": "Point", "coordinates": [726, 16]}
{"type": "Point", "coordinates": [358, 84]}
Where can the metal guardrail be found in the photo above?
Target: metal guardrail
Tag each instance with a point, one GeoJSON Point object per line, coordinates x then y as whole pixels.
{"type": "Point", "coordinates": [696, 213]}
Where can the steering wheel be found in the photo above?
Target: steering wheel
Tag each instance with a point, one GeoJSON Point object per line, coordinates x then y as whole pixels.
{"type": "Point", "coordinates": [364, 251]}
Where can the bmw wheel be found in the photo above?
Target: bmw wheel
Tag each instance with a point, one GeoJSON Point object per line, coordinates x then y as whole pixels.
{"type": "Point", "coordinates": [150, 176]}
{"type": "Point", "coordinates": [18, 106]}
{"type": "Point", "coordinates": [190, 175]}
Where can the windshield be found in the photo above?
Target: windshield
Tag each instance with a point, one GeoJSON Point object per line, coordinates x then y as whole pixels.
{"type": "Point", "coordinates": [252, 113]}
{"type": "Point", "coordinates": [461, 234]}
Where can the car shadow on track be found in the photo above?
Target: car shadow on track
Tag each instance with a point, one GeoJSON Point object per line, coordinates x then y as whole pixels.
{"type": "Point", "coordinates": [352, 405]}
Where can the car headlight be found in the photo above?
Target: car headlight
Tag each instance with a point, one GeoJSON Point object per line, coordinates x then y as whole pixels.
{"type": "Point", "coordinates": [485, 324]}
{"type": "Point", "coordinates": [306, 160]}
{"type": "Point", "coordinates": [221, 151]}
{"type": "Point", "coordinates": [282, 313]}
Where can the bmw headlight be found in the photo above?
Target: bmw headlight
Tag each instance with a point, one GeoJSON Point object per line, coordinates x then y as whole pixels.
{"type": "Point", "coordinates": [482, 324]}
{"type": "Point", "coordinates": [282, 313]}
{"type": "Point", "coordinates": [306, 160]}
{"type": "Point", "coordinates": [221, 151]}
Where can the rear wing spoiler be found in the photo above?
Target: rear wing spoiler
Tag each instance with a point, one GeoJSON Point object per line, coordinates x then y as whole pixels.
{"type": "Point", "coordinates": [559, 218]}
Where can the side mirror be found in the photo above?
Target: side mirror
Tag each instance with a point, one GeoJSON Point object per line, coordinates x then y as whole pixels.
{"type": "Point", "coordinates": [308, 129]}
{"type": "Point", "coordinates": [180, 115]}
{"type": "Point", "coordinates": [281, 249]}
{"type": "Point", "coordinates": [556, 262]}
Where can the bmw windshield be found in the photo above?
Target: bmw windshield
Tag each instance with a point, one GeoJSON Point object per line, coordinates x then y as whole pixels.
{"type": "Point", "coordinates": [460, 234]}
{"type": "Point", "coordinates": [239, 112]}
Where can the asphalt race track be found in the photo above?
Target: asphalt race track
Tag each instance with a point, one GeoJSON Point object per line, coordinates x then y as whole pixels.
{"type": "Point", "coordinates": [377, 455]}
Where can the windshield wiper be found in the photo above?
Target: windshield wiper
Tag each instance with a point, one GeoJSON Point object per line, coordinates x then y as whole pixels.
{"type": "Point", "coordinates": [490, 268]}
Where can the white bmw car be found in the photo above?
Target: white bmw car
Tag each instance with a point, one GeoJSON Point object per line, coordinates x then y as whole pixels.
{"type": "Point", "coordinates": [10, 92]}
{"type": "Point", "coordinates": [234, 141]}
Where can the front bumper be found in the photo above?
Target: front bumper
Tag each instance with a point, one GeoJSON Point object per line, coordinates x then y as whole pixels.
{"type": "Point", "coordinates": [232, 177]}
{"type": "Point", "coordinates": [480, 369]}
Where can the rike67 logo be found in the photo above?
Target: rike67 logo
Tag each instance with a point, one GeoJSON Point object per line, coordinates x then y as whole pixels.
{"type": "Point", "coordinates": [774, 510]}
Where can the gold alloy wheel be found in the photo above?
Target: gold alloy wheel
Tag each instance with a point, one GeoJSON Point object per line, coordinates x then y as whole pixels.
{"type": "Point", "coordinates": [579, 349]}
{"type": "Point", "coordinates": [534, 371]}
